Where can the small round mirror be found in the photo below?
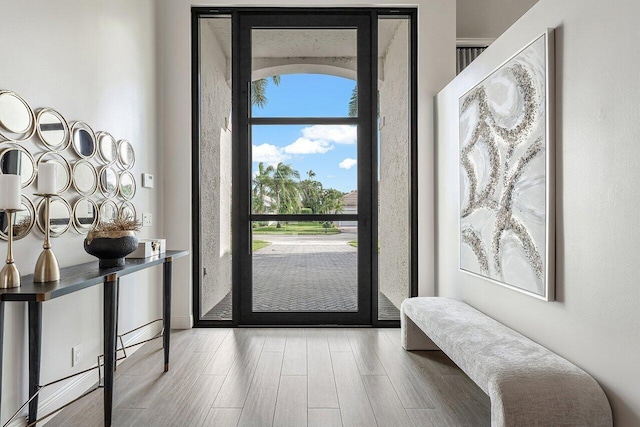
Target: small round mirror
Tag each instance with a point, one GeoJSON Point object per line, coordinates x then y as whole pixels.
{"type": "Point", "coordinates": [59, 216]}
{"type": "Point", "coordinates": [17, 121]}
{"type": "Point", "coordinates": [108, 182]}
{"type": "Point", "coordinates": [83, 140]}
{"type": "Point", "coordinates": [23, 221]}
{"type": "Point", "coordinates": [85, 178]}
{"type": "Point", "coordinates": [107, 147]}
{"type": "Point", "coordinates": [108, 211]}
{"type": "Point", "coordinates": [127, 210]}
{"type": "Point", "coordinates": [126, 155]}
{"type": "Point", "coordinates": [18, 161]}
{"type": "Point", "coordinates": [53, 129]}
{"type": "Point", "coordinates": [85, 215]}
{"type": "Point", "coordinates": [63, 169]}
{"type": "Point", "coordinates": [127, 185]}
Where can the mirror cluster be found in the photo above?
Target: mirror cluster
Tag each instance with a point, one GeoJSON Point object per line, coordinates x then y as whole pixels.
{"type": "Point", "coordinates": [102, 165]}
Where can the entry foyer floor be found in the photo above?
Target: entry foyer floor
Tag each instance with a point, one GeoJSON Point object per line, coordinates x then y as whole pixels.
{"type": "Point", "coordinates": [286, 377]}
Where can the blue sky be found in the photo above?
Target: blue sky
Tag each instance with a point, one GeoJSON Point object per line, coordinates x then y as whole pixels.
{"type": "Point", "coordinates": [330, 151]}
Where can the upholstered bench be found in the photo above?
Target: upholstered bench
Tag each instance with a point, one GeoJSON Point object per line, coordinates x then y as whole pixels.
{"type": "Point", "coordinates": [528, 384]}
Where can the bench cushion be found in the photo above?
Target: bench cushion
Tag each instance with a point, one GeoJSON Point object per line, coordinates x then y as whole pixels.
{"type": "Point", "coordinates": [522, 377]}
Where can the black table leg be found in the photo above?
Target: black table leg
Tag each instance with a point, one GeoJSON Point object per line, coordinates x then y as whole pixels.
{"type": "Point", "coordinates": [110, 309]}
{"type": "Point", "coordinates": [166, 309]}
{"type": "Point", "coordinates": [115, 366]}
{"type": "Point", "coordinates": [35, 350]}
{"type": "Point", "coordinates": [1, 349]}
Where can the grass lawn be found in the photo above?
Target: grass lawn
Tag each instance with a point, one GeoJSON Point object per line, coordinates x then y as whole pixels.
{"type": "Point", "coordinates": [259, 244]}
{"type": "Point", "coordinates": [304, 228]}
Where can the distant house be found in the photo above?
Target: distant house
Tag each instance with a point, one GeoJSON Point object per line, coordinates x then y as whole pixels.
{"type": "Point", "coordinates": [350, 206]}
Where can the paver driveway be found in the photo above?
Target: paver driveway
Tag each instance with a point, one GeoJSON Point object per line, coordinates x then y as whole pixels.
{"type": "Point", "coordinates": [304, 273]}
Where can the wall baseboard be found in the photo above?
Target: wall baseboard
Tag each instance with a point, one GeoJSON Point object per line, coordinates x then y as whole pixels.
{"type": "Point", "coordinates": [80, 384]}
{"type": "Point", "coordinates": [182, 322]}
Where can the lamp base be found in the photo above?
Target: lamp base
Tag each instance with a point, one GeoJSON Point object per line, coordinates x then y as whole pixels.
{"type": "Point", "coordinates": [9, 276]}
{"type": "Point", "coordinates": [47, 269]}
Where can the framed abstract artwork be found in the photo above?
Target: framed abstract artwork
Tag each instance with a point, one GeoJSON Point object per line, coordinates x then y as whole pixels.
{"type": "Point", "coordinates": [507, 167]}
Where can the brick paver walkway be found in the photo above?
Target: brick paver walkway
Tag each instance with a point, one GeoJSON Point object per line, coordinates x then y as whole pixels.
{"type": "Point", "coordinates": [304, 273]}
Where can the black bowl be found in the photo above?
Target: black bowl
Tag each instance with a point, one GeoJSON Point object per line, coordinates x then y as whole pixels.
{"type": "Point", "coordinates": [110, 247]}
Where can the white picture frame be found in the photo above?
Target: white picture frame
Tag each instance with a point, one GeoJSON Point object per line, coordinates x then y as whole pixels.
{"type": "Point", "coordinates": [507, 173]}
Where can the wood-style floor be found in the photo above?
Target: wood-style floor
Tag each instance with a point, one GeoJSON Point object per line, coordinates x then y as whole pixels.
{"type": "Point", "coordinates": [286, 377]}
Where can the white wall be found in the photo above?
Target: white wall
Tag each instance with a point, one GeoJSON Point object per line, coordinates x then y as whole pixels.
{"type": "Point", "coordinates": [487, 19]}
{"type": "Point", "coordinates": [93, 61]}
{"type": "Point", "coordinates": [595, 322]}
{"type": "Point", "coordinates": [436, 40]}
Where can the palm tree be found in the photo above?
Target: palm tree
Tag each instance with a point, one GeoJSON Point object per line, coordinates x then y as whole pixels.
{"type": "Point", "coordinates": [259, 90]}
{"type": "Point", "coordinates": [353, 102]}
{"type": "Point", "coordinates": [332, 201]}
{"type": "Point", "coordinates": [260, 191]}
{"type": "Point", "coordinates": [311, 192]}
{"type": "Point", "coordinates": [284, 187]}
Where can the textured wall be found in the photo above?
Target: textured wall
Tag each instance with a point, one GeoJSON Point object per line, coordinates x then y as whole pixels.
{"type": "Point", "coordinates": [394, 170]}
{"type": "Point", "coordinates": [93, 61]}
{"type": "Point", "coordinates": [215, 190]}
{"type": "Point", "coordinates": [595, 322]}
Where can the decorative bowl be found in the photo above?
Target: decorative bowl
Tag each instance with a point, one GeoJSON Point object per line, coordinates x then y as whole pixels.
{"type": "Point", "coordinates": [110, 247]}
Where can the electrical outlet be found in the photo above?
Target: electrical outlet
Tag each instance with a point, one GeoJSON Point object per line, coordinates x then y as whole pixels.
{"type": "Point", "coordinates": [147, 219]}
{"type": "Point", "coordinates": [76, 354]}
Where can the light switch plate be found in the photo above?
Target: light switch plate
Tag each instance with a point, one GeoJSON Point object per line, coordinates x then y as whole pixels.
{"type": "Point", "coordinates": [147, 180]}
{"type": "Point", "coordinates": [147, 219]}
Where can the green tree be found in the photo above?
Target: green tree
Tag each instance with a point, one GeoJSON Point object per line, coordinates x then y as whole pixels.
{"type": "Point", "coordinates": [311, 193]}
{"type": "Point", "coordinates": [261, 188]}
{"type": "Point", "coordinates": [332, 201]}
{"type": "Point", "coordinates": [353, 102]}
{"type": "Point", "coordinates": [285, 190]}
{"type": "Point", "coordinates": [259, 90]}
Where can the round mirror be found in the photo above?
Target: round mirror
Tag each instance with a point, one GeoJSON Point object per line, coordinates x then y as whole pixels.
{"type": "Point", "coordinates": [127, 185]}
{"type": "Point", "coordinates": [108, 211]}
{"type": "Point", "coordinates": [17, 121]}
{"type": "Point", "coordinates": [83, 140]}
{"type": "Point", "coordinates": [85, 215]}
{"type": "Point", "coordinates": [85, 178]}
{"type": "Point", "coordinates": [127, 210]}
{"type": "Point", "coordinates": [23, 221]}
{"type": "Point", "coordinates": [63, 169]}
{"type": "Point", "coordinates": [18, 161]}
{"type": "Point", "coordinates": [52, 129]}
{"type": "Point", "coordinates": [108, 182]}
{"type": "Point", "coordinates": [126, 155]}
{"type": "Point", "coordinates": [107, 147]}
{"type": "Point", "coordinates": [59, 216]}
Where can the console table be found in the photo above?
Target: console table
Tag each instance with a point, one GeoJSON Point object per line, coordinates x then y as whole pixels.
{"type": "Point", "coordinates": [74, 279]}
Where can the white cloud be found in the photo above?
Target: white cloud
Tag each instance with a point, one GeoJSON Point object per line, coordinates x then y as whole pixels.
{"type": "Point", "coordinates": [308, 146]}
{"type": "Point", "coordinates": [340, 134]}
{"type": "Point", "coordinates": [267, 153]}
{"type": "Point", "coordinates": [348, 163]}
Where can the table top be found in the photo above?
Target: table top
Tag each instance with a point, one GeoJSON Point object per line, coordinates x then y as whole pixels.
{"type": "Point", "coordinates": [81, 276]}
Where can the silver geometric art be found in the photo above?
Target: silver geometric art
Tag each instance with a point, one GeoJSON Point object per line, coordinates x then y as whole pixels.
{"type": "Point", "coordinates": [507, 167]}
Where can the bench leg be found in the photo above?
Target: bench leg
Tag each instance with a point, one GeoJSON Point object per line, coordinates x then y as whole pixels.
{"type": "Point", "coordinates": [412, 336]}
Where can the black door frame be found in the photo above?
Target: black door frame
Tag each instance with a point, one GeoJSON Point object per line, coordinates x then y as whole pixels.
{"type": "Point", "coordinates": [366, 127]}
{"type": "Point", "coordinates": [241, 161]}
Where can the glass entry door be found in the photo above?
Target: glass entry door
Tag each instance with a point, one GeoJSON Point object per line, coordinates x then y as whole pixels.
{"type": "Point", "coordinates": [304, 143]}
